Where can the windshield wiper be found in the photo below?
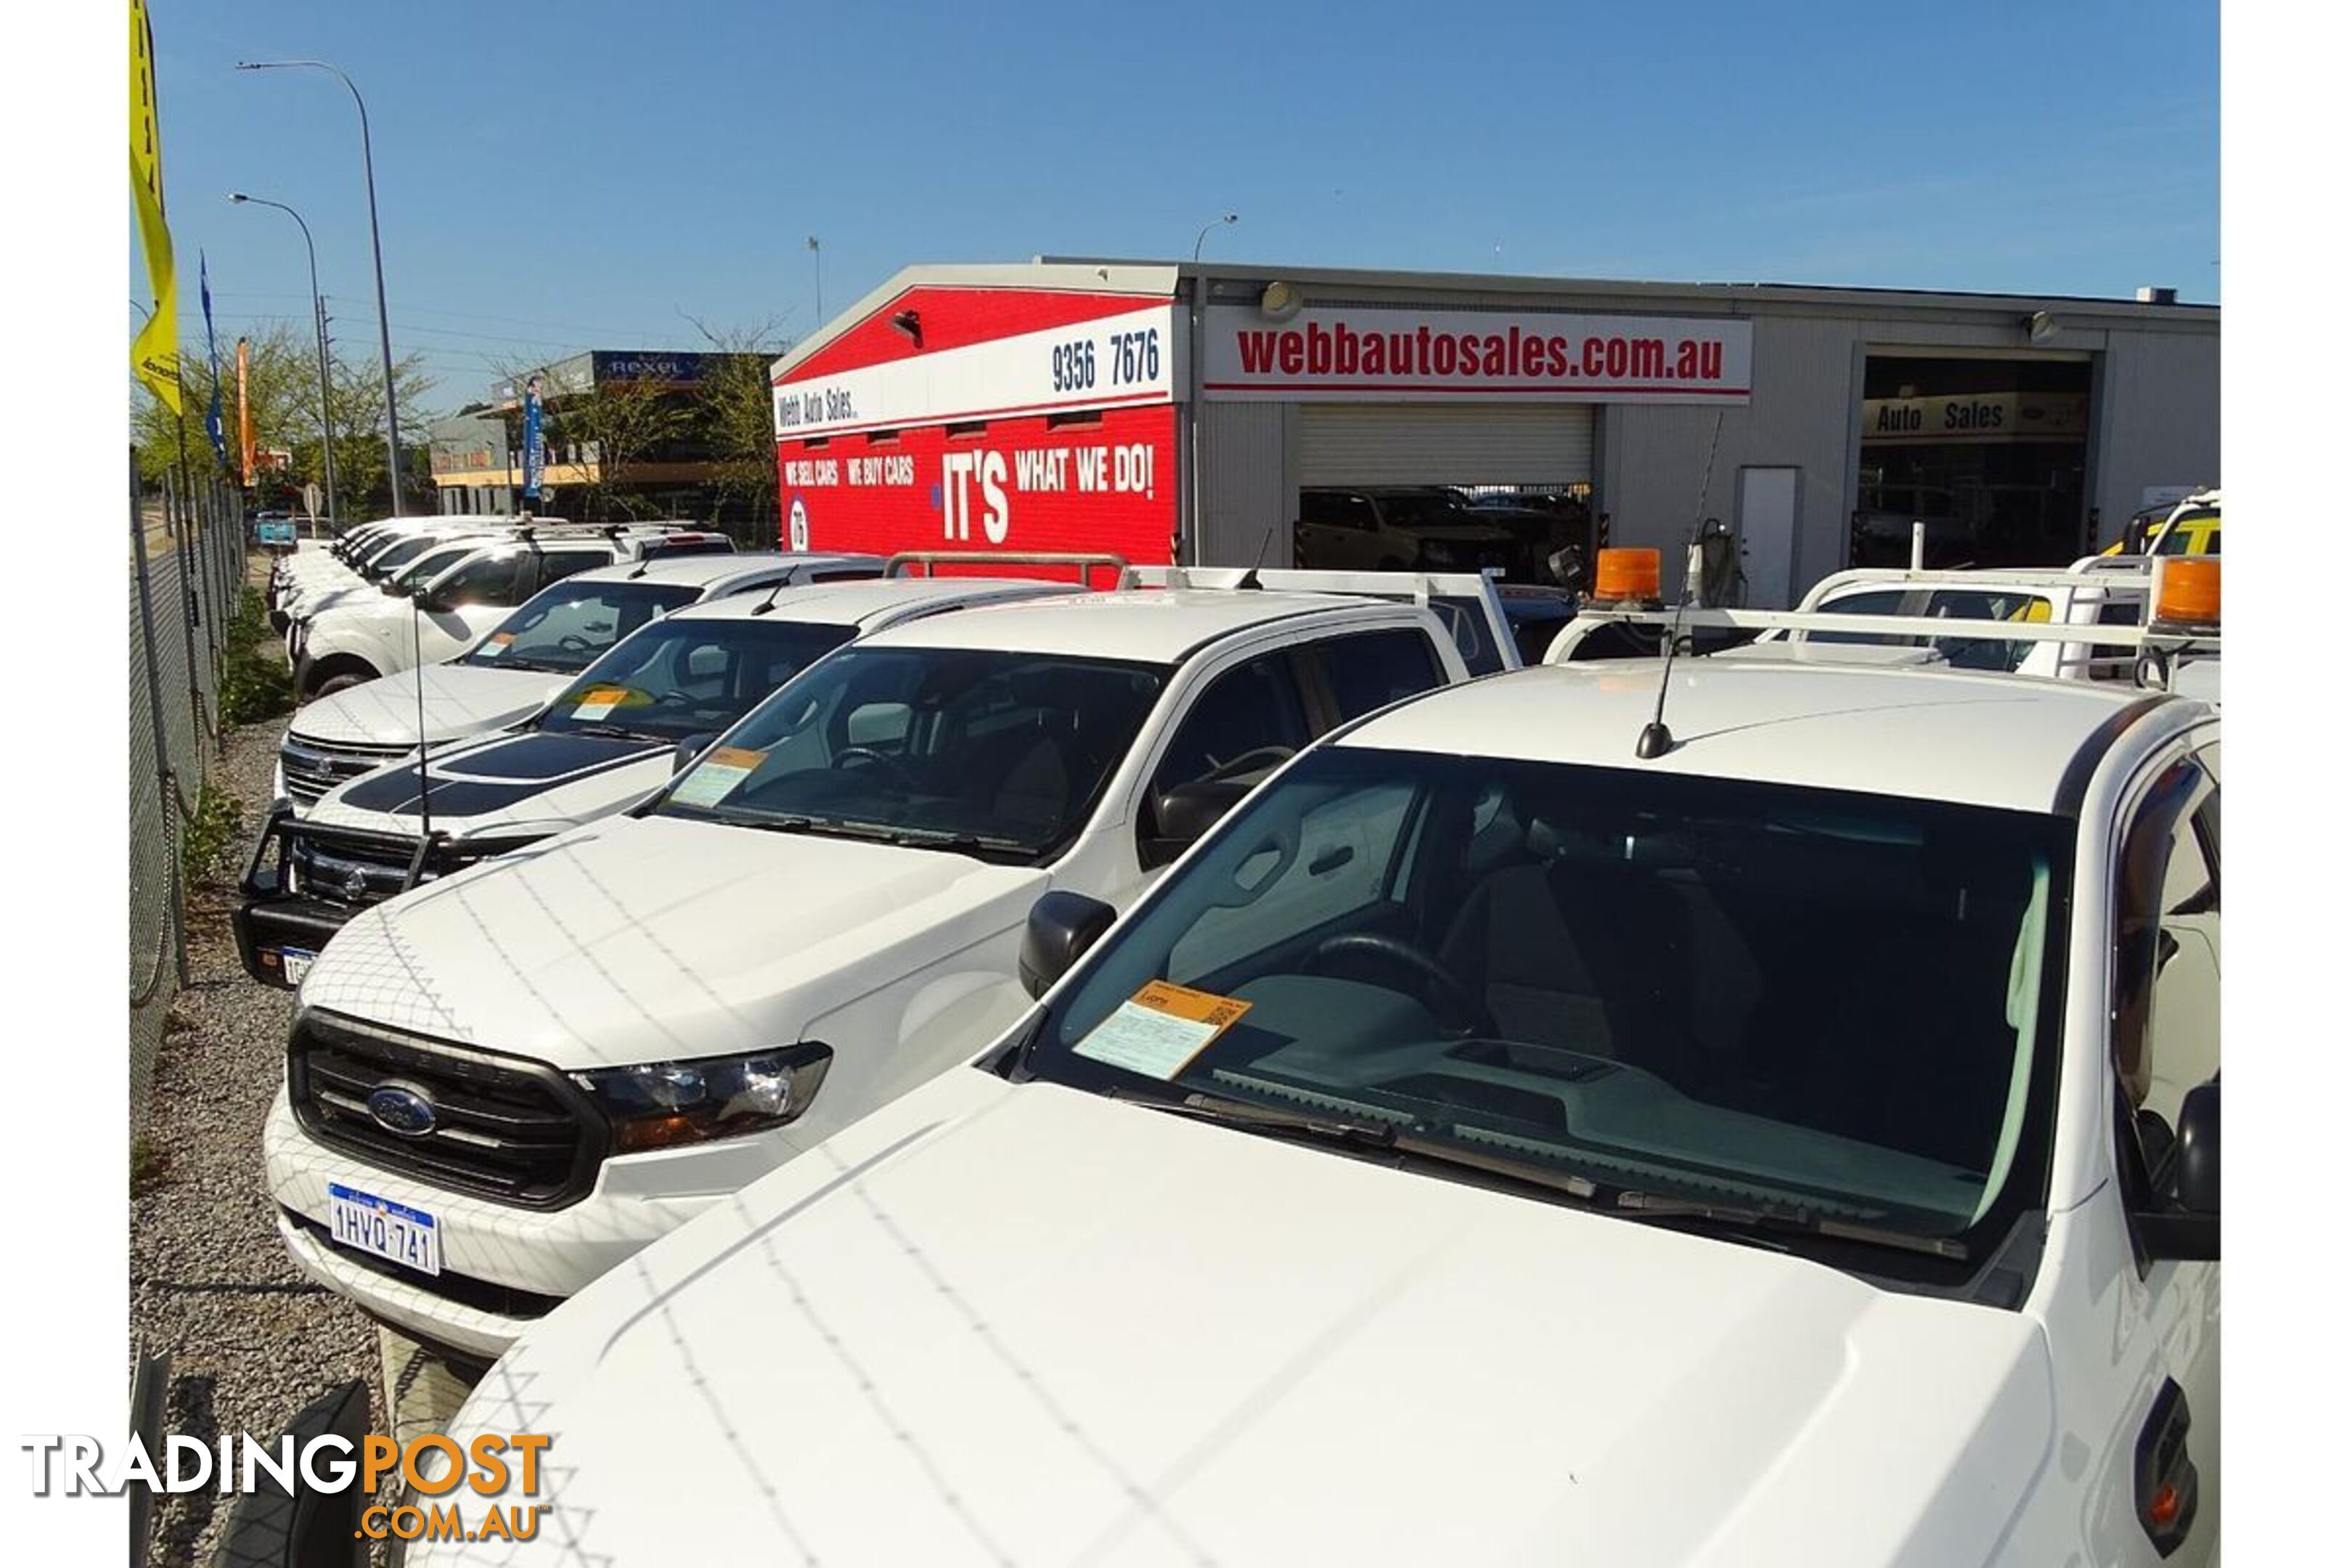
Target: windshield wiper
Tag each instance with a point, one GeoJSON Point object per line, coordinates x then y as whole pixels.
{"type": "Point", "coordinates": [956, 842]}
{"type": "Point", "coordinates": [1793, 1221]}
{"type": "Point", "coordinates": [1266, 1118]}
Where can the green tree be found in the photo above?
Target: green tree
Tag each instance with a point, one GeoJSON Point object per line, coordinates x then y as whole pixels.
{"type": "Point", "coordinates": [282, 400]}
{"type": "Point", "coordinates": [736, 416]}
{"type": "Point", "coordinates": [609, 431]}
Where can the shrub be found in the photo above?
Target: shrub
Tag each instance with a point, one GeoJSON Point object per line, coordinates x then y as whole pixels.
{"type": "Point", "coordinates": [208, 839]}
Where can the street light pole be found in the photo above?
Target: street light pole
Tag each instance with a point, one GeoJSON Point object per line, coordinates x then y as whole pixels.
{"type": "Point", "coordinates": [319, 320]}
{"type": "Point", "coordinates": [1213, 224]}
{"type": "Point", "coordinates": [375, 238]}
{"type": "Point", "coordinates": [817, 261]}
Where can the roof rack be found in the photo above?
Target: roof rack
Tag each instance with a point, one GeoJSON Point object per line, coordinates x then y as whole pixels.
{"type": "Point", "coordinates": [2167, 644]}
{"type": "Point", "coordinates": [1088, 563]}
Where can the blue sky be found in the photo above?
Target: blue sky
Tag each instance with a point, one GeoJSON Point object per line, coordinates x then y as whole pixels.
{"type": "Point", "coordinates": [557, 176]}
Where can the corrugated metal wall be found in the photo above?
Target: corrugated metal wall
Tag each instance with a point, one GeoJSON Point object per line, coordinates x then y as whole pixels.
{"type": "Point", "coordinates": [1246, 484]}
{"type": "Point", "coordinates": [1445, 443]}
{"type": "Point", "coordinates": [2158, 420]}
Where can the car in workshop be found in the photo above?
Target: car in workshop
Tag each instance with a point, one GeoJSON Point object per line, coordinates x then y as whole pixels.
{"type": "Point", "coordinates": [580, 1046]}
{"type": "Point", "coordinates": [1502, 1141]}
{"type": "Point", "coordinates": [1398, 529]}
{"type": "Point", "coordinates": [528, 658]}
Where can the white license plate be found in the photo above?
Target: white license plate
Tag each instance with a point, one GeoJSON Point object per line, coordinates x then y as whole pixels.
{"type": "Point", "coordinates": [365, 1223]}
{"type": "Point", "coordinates": [295, 961]}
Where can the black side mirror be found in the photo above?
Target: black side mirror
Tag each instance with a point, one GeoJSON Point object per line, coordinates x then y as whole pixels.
{"type": "Point", "coordinates": [389, 587]}
{"type": "Point", "coordinates": [425, 599]}
{"type": "Point", "coordinates": [1184, 813]}
{"type": "Point", "coordinates": [2188, 1225]}
{"type": "Point", "coordinates": [689, 749]}
{"type": "Point", "coordinates": [1062, 926]}
{"type": "Point", "coordinates": [2197, 1156]}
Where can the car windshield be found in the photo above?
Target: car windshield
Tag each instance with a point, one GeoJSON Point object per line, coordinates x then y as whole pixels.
{"type": "Point", "coordinates": [991, 753]}
{"type": "Point", "coordinates": [1691, 988]}
{"type": "Point", "coordinates": [684, 678]}
{"type": "Point", "coordinates": [563, 629]}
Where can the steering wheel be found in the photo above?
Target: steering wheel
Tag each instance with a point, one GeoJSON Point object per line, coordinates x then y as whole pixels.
{"type": "Point", "coordinates": [1460, 1011]}
{"type": "Point", "coordinates": [571, 642]}
{"type": "Point", "coordinates": [882, 760]}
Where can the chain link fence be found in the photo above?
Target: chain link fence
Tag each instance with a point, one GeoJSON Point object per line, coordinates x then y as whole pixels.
{"type": "Point", "coordinates": [187, 568]}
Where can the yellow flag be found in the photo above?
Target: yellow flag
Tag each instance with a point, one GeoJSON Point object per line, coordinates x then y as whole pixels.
{"type": "Point", "coordinates": [155, 352]}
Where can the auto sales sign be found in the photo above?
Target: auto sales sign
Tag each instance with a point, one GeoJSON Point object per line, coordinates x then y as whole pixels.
{"type": "Point", "coordinates": [1365, 354]}
{"type": "Point", "coordinates": [1059, 439]}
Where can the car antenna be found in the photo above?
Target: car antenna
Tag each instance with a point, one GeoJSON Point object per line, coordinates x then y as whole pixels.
{"type": "Point", "coordinates": [764, 606]}
{"type": "Point", "coordinates": [1656, 740]}
{"type": "Point", "coordinates": [1249, 578]}
{"type": "Point", "coordinates": [424, 755]}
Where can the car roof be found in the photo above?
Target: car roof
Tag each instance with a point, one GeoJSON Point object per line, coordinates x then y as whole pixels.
{"type": "Point", "coordinates": [2003, 741]}
{"type": "Point", "coordinates": [1156, 625]}
{"type": "Point", "coordinates": [717, 567]}
{"type": "Point", "coordinates": [858, 602]}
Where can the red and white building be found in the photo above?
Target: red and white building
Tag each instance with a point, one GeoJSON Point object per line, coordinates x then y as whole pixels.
{"type": "Point", "coordinates": [1163, 411]}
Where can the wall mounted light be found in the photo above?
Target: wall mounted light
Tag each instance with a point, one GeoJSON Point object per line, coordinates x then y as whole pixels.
{"type": "Point", "coordinates": [2041, 327]}
{"type": "Point", "coordinates": [911, 323]}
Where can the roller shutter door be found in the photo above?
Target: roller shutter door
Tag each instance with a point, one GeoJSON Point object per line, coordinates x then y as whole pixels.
{"type": "Point", "coordinates": [1445, 443]}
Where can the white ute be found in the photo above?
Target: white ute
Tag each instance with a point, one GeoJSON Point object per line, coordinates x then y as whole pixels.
{"type": "Point", "coordinates": [604, 741]}
{"type": "Point", "coordinates": [540, 1064]}
{"type": "Point", "coordinates": [455, 594]}
{"type": "Point", "coordinates": [527, 659]}
{"type": "Point", "coordinates": [1489, 1147]}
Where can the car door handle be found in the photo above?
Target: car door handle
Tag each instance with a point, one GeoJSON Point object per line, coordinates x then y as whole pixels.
{"type": "Point", "coordinates": [2164, 1480]}
{"type": "Point", "coordinates": [1330, 860]}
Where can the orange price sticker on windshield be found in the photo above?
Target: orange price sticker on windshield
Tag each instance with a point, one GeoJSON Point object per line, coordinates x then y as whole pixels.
{"type": "Point", "coordinates": [1161, 1029]}
{"type": "Point", "coordinates": [716, 773]}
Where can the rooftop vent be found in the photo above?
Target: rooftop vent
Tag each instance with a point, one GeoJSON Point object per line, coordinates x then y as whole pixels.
{"type": "Point", "coordinates": [2150, 295]}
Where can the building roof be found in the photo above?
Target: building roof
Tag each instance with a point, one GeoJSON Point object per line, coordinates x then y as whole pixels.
{"type": "Point", "coordinates": [1163, 279]}
{"type": "Point", "coordinates": [1153, 625]}
{"type": "Point", "coordinates": [2001, 741]}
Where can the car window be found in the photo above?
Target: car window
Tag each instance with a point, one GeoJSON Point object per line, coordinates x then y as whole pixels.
{"type": "Point", "coordinates": [986, 751]}
{"type": "Point", "coordinates": [485, 580]}
{"type": "Point", "coordinates": [1247, 723]}
{"type": "Point", "coordinates": [554, 565]}
{"type": "Point", "coordinates": [563, 628]}
{"type": "Point", "coordinates": [1366, 671]}
{"type": "Point", "coordinates": [1644, 979]}
{"type": "Point", "coordinates": [691, 676]}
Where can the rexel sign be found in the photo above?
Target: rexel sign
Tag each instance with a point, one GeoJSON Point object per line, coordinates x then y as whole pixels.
{"type": "Point", "coordinates": [1061, 438]}
{"type": "Point", "coordinates": [1369, 353]}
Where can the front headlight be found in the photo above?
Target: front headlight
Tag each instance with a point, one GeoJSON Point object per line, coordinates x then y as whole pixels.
{"type": "Point", "coordinates": [662, 1105]}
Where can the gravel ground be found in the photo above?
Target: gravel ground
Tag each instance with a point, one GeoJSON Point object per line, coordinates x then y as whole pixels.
{"type": "Point", "coordinates": [251, 1341]}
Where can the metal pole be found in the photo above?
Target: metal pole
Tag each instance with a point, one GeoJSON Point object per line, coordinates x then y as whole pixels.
{"type": "Point", "coordinates": [376, 240]}
{"type": "Point", "coordinates": [318, 324]}
{"type": "Point", "coordinates": [817, 261]}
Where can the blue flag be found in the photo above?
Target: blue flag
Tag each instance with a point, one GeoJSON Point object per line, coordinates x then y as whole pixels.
{"type": "Point", "coordinates": [212, 354]}
{"type": "Point", "coordinates": [534, 449]}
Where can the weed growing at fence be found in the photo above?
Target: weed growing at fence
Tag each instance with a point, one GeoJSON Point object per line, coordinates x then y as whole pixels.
{"type": "Point", "coordinates": [255, 682]}
{"type": "Point", "coordinates": [147, 1163]}
{"type": "Point", "coordinates": [208, 839]}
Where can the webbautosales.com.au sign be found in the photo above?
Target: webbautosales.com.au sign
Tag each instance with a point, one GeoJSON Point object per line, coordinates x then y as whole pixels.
{"type": "Point", "coordinates": [1368, 354]}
